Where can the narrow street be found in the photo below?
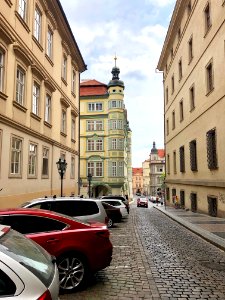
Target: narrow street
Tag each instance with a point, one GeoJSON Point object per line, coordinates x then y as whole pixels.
{"type": "Point", "coordinates": [156, 258]}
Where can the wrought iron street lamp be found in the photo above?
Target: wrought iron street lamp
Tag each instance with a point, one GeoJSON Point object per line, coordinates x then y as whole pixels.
{"type": "Point", "coordinates": [89, 178]}
{"type": "Point", "coordinates": [61, 165]}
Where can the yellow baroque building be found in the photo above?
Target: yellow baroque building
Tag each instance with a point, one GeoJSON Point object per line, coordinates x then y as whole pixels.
{"type": "Point", "coordinates": [192, 61]}
{"type": "Point", "coordinates": [40, 66]}
{"type": "Point", "coordinates": [105, 139]}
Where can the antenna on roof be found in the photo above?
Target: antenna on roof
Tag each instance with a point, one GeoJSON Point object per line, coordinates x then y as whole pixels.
{"type": "Point", "coordinates": [115, 58]}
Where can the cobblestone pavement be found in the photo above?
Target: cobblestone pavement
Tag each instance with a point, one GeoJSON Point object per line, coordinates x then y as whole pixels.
{"type": "Point", "coordinates": [156, 258]}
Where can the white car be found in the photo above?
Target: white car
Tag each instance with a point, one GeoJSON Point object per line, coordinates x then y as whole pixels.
{"type": "Point", "coordinates": [27, 271]}
{"type": "Point", "coordinates": [119, 204]}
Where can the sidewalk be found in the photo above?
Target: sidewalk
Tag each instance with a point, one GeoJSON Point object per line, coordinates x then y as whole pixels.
{"type": "Point", "coordinates": [210, 228]}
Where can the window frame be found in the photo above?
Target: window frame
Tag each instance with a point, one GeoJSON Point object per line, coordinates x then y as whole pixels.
{"type": "Point", "coordinates": [207, 17]}
{"type": "Point", "coordinates": [192, 97]}
{"type": "Point", "coordinates": [49, 43]}
{"type": "Point", "coordinates": [95, 168]}
{"type": "Point", "coordinates": [48, 108]}
{"type": "Point", "coordinates": [45, 157]}
{"type": "Point", "coordinates": [37, 24]}
{"type": "Point", "coordinates": [2, 69]}
{"type": "Point", "coordinates": [211, 146]}
{"type": "Point", "coordinates": [193, 155]}
{"type": "Point", "coordinates": [181, 109]}
{"type": "Point", "coordinates": [16, 157]}
{"type": "Point", "coordinates": [24, 9]}
{"type": "Point", "coordinates": [32, 160]}
{"type": "Point", "coordinates": [182, 159]}
{"type": "Point", "coordinates": [209, 77]}
{"type": "Point", "coordinates": [36, 94]}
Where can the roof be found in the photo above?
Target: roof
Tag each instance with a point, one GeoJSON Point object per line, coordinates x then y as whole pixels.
{"type": "Point", "coordinates": [161, 153]}
{"type": "Point", "coordinates": [92, 87]}
{"type": "Point", "coordinates": [137, 171]}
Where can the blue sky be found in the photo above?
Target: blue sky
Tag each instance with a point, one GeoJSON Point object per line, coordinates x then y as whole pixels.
{"type": "Point", "coordinates": [135, 30]}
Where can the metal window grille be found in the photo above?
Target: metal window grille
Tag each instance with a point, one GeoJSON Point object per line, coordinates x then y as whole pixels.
{"type": "Point", "coordinates": [193, 155]}
{"type": "Point", "coordinates": [182, 159]}
{"type": "Point", "coordinates": [211, 149]}
{"type": "Point", "coordinates": [193, 197]}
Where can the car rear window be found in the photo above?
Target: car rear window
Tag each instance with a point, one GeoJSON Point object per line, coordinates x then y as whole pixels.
{"type": "Point", "coordinates": [76, 208]}
{"type": "Point", "coordinates": [29, 254]}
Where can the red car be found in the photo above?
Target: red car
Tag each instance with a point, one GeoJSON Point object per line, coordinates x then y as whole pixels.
{"type": "Point", "coordinates": [142, 201]}
{"type": "Point", "coordinates": [80, 248]}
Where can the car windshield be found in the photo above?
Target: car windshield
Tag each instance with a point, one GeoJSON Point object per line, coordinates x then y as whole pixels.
{"type": "Point", "coordinates": [29, 254]}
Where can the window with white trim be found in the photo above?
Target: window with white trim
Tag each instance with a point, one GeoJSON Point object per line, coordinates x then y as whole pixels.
{"type": "Point", "coordinates": [48, 103]}
{"type": "Point", "coordinates": [36, 99]}
{"type": "Point", "coordinates": [63, 121]}
{"type": "Point", "coordinates": [2, 69]}
{"type": "Point", "coordinates": [49, 43]}
{"type": "Point", "coordinates": [20, 86]}
{"type": "Point", "coordinates": [45, 161]}
{"type": "Point", "coordinates": [64, 67]}
{"type": "Point", "coordinates": [116, 124]}
{"type": "Point", "coordinates": [116, 168]}
{"type": "Point", "coordinates": [16, 156]}
{"type": "Point", "coordinates": [98, 106]}
{"type": "Point", "coordinates": [32, 160]}
{"type": "Point", "coordinates": [94, 125]}
{"type": "Point", "coordinates": [115, 104]}
{"type": "Point", "coordinates": [22, 9]}
{"type": "Point", "coordinates": [95, 144]}
{"type": "Point", "coordinates": [73, 84]}
{"type": "Point", "coordinates": [37, 24]}
{"type": "Point", "coordinates": [73, 128]}
{"type": "Point", "coordinates": [116, 144]}
{"type": "Point", "coordinates": [95, 168]}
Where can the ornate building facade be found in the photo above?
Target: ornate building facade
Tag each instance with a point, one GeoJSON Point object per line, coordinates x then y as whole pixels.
{"type": "Point", "coordinates": [105, 138]}
{"type": "Point", "coordinates": [40, 66]}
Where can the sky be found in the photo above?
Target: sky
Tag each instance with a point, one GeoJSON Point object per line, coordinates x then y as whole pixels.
{"type": "Point", "coordinates": [134, 31]}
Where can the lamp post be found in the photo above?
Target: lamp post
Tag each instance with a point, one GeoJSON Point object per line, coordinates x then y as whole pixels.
{"type": "Point", "coordinates": [89, 178]}
{"type": "Point", "coordinates": [61, 165]}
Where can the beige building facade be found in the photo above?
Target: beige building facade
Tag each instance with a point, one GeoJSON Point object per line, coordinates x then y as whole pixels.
{"type": "Point", "coordinates": [137, 181]}
{"type": "Point", "coordinates": [192, 61]}
{"type": "Point", "coordinates": [146, 177]}
{"type": "Point", "coordinates": [40, 66]}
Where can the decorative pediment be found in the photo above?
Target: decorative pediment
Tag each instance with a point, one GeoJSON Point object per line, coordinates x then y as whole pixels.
{"type": "Point", "coordinates": [49, 85]}
{"type": "Point", "coordinates": [65, 102]}
{"type": "Point", "coordinates": [22, 53]}
{"type": "Point", "coordinates": [37, 71]}
{"type": "Point", "coordinates": [66, 48]}
{"type": "Point", "coordinates": [74, 112]}
{"type": "Point", "coordinates": [6, 37]}
{"type": "Point", "coordinates": [51, 19]}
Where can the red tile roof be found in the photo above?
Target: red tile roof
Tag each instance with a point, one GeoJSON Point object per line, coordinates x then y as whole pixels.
{"type": "Point", "coordinates": [161, 153]}
{"type": "Point", "coordinates": [137, 171]}
{"type": "Point", "coordinates": [92, 87]}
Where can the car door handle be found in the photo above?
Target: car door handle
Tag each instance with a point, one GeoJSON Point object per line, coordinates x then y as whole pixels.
{"type": "Point", "coordinates": [53, 241]}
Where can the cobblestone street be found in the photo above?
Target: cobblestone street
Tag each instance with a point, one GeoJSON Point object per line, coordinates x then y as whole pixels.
{"type": "Point", "coordinates": [156, 258]}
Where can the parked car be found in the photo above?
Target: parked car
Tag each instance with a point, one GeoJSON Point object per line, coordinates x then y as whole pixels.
{"type": "Point", "coordinates": [27, 271]}
{"type": "Point", "coordinates": [119, 204]}
{"type": "Point", "coordinates": [88, 210]}
{"type": "Point", "coordinates": [113, 214]}
{"type": "Point", "coordinates": [118, 197]}
{"type": "Point", "coordinates": [142, 201]}
{"type": "Point", "coordinates": [80, 248]}
{"type": "Point", "coordinates": [153, 199]}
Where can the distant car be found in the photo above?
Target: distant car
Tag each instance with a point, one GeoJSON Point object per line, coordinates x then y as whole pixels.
{"type": "Point", "coordinates": [27, 271]}
{"type": "Point", "coordinates": [88, 210]}
{"type": "Point", "coordinates": [153, 199]}
{"type": "Point", "coordinates": [80, 248]}
{"type": "Point", "coordinates": [119, 204]}
{"type": "Point", "coordinates": [138, 194]}
{"type": "Point", "coordinates": [142, 201]}
{"type": "Point", "coordinates": [113, 214]}
{"type": "Point", "coordinates": [119, 197]}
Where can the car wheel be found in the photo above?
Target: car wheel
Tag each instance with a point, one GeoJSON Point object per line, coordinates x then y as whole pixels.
{"type": "Point", "coordinates": [72, 272]}
{"type": "Point", "coordinates": [110, 223]}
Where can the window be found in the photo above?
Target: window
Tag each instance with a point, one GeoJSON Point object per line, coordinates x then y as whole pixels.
{"type": "Point", "coordinates": [116, 144]}
{"type": "Point", "coordinates": [167, 127]}
{"type": "Point", "coordinates": [64, 67]}
{"type": "Point", "coordinates": [181, 104]}
{"type": "Point", "coordinates": [174, 162]}
{"type": "Point", "coordinates": [207, 15]}
{"type": "Point", "coordinates": [168, 164]}
{"type": "Point", "coordinates": [49, 43]}
{"type": "Point", "coordinates": [95, 168]}
{"type": "Point", "coordinates": [16, 156]}
{"type": "Point", "coordinates": [20, 86]}
{"type": "Point", "coordinates": [116, 124]}
{"type": "Point", "coordinates": [182, 159]}
{"type": "Point", "coordinates": [37, 24]}
{"type": "Point", "coordinates": [94, 125]}
{"type": "Point", "coordinates": [173, 120]}
{"type": "Point", "coordinates": [193, 155]}
{"type": "Point", "coordinates": [73, 128]}
{"type": "Point", "coordinates": [192, 97]}
{"type": "Point", "coordinates": [7, 286]}
{"type": "Point", "coordinates": [171, 53]}
{"type": "Point", "coordinates": [179, 33]}
{"type": "Point", "coordinates": [190, 49]}
{"type": "Point", "coordinates": [115, 104]}
{"type": "Point", "coordinates": [209, 77]}
{"type": "Point", "coordinates": [211, 149]}
{"type": "Point", "coordinates": [2, 69]}
{"type": "Point", "coordinates": [172, 84]}
{"type": "Point", "coordinates": [63, 121]}
{"type": "Point", "coordinates": [48, 103]}
{"type": "Point", "coordinates": [189, 8]}
{"type": "Point", "coordinates": [45, 158]}
{"type": "Point", "coordinates": [73, 85]}
{"type": "Point", "coordinates": [95, 106]}
{"type": "Point", "coordinates": [32, 161]}
{"type": "Point", "coordinates": [180, 69]}
{"type": "Point", "coordinates": [72, 173]}
{"type": "Point", "coordinates": [36, 99]}
{"type": "Point", "coordinates": [22, 9]}
{"type": "Point", "coordinates": [116, 169]}
{"type": "Point", "coordinates": [167, 95]}
{"type": "Point", "coordinates": [95, 144]}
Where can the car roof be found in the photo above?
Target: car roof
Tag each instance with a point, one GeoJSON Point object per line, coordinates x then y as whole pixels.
{"type": "Point", "coordinates": [45, 199]}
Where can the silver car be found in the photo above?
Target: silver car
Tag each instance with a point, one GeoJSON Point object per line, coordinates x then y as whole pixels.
{"type": "Point", "coordinates": [88, 210]}
{"type": "Point", "coordinates": [27, 271]}
{"type": "Point", "coordinates": [119, 204]}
